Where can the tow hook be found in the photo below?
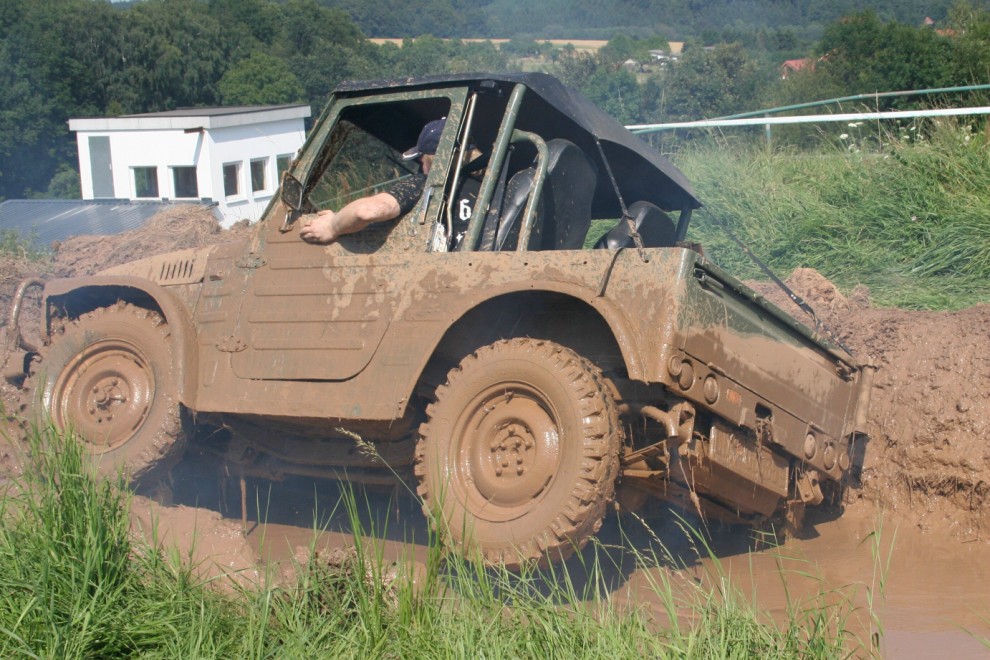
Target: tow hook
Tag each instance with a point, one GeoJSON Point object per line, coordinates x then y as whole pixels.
{"type": "Point", "coordinates": [14, 344]}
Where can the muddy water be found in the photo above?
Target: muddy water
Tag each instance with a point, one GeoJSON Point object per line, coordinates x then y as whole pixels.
{"type": "Point", "coordinates": [927, 592]}
{"type": "Point", "coordinates": [934, 587]}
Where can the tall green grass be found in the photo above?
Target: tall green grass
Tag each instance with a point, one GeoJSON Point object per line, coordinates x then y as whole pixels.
{"type": "Point", "coordinates": [76, 585]}
{"type": "Point", "coordinates": [905, 213]}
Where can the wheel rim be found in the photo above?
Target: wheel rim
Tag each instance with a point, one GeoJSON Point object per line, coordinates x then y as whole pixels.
{"type": "Point", "coordinates": [506, 450]}
{"type": "Point", "coordinates": [104, 394]}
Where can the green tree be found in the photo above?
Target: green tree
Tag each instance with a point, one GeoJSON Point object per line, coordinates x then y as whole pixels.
{"type": "Point", "coordinates": [323, 47]}
{"type": "Point", "coordinates": [620, 49]}
{"type": "Point", "coordinates": [260, 79]}
{"type": "Point", "coordinates": [969, 32]}
{"type": "Point", "coordinates": [617, 93]}
{"type": "Point", "coordinates": [866, 54]}
{"type": "Point", "coordinates": [578, 69]}
{"type": "Point", "coordinates": [57, 60]}
{"type": "Point", "coordinates": [170, 57]}
{"type": "Point", "coordinates": [64, 185]}
{"type": "Point", "coordinates": [710, 82]}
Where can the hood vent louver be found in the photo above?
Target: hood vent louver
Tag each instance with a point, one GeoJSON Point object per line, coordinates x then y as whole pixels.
{"type": "Point", "coordinates": [180, 269]}
{"type": "Point", "coordinates": [174, 268]}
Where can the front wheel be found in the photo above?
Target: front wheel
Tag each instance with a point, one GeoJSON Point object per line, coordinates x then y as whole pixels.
{"type": "Point", "coordinates": [519, 455]}
{"type": "Point", "coordinates": [109, 379]}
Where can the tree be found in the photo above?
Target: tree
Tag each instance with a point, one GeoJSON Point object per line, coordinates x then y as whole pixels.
{"type": "Point", "coordinates": [64, 185]}
{"type": "Point", "coordinates": [170, 55]}
{"type": "Point", "coordinates": [57, 59]}
{"type": "Point", "coordinates": [260, 79]}
{"type": "Point", "coordinates": [710, 83]}
{"type": "Point", "coordinates": [867, 55]}
{"type": "Point", "coordinates": [322, 47]}
{"type": "Point", "coordinates": [970, 37]}
{"type": "Point", "coordinates": [617, 93]}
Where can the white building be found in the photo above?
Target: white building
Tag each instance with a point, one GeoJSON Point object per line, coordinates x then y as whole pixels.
{"type": "Point", "coordinates": [233, 156]}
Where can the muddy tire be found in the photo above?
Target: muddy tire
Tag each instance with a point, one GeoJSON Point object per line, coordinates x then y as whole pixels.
{"type": "Point", "coordinates": [518, 458]}
{"type": "Point", "coordinates": [109, 378]}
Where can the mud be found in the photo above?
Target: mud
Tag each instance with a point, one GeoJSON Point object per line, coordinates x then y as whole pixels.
{"type": "Point", "coordinates": [927, 469]}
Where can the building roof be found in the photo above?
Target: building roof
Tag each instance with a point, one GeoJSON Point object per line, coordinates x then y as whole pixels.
{"type": "Point", "coordinates": [191, 118]}
{"type": "Point", "coordinates": [47, 220]}
{"type": "Point", "coordinates": [796, 65]}
{"type": "Point", "coordinates": [219, 111]}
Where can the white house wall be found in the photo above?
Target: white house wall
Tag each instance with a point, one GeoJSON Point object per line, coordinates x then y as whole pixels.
{"type": "Point", "coordinates": [239, 141]}
{"type": "Point", "coordinates": [242, 145]}
{"type": "Point", "coordinates": [130, 149]}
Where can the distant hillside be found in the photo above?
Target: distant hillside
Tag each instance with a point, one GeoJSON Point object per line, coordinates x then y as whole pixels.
{"type": "Point", "coordinates": [602, 19]}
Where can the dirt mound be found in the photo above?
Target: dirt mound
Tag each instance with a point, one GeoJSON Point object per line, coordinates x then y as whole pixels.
{"type": "Point", "coordinates": [929, 422]}
{"type": "Point", "coordinates": [176, 228]}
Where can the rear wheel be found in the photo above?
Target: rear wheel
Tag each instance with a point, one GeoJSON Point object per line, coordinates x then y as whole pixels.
{"type": "Point", "coordinates": [109, 379]}
{"type": "Point", "coordinates": [520, 452]}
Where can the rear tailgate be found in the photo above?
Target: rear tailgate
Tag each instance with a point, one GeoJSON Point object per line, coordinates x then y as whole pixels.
{"type": "Point", "coordinates": [766, 365]}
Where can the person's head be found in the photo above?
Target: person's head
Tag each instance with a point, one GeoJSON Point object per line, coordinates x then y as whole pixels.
{"type": "Point", "coordinates": [426, 145]}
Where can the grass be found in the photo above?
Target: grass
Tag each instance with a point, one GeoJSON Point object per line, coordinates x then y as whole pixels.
{"type": "Point", "coordinates": [77, 585]}
{"type": "Point", "coordinates": [15, 244]}
{"type": "Point", "coordinates": [907, 214]}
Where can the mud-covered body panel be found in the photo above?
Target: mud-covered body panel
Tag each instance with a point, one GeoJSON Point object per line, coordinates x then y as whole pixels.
{"type": "Point", "coordinates": [317, 333]}
{"type": "Point", "coordinates": [326, 333]}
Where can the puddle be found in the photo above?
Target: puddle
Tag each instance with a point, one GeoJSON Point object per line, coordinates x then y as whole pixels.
{"type": "Point", "coordinates": [934, 589]}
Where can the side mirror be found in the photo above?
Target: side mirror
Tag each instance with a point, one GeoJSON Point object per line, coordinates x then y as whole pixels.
{"type": "Point", "coordinates": [292, 192]}
{"type": "Point", "coordinates": [292, 195]}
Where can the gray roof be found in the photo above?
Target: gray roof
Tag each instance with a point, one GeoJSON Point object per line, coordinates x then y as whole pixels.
{"type": "Point", "coordinates": [217, 111]}
{"type": "Point", "coordinates": [47, 220]}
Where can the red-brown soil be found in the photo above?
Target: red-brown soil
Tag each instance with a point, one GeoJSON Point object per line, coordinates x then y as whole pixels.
{"type": "Point", "coordinates": [928, 461]}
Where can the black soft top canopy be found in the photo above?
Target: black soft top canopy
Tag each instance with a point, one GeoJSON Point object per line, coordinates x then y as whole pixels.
{"type": "Point", "coordinates": [554, 110]}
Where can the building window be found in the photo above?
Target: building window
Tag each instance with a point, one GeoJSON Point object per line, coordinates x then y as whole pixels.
{"type": "Point", "coordinates": [146, 182]}
{"type": "Point", "coordinates": [231, 179]}
{"type": "Point", "coordinates": [282, 164]}
{"type": "Point", "coordinates": [259, 175]}
{"type": "Point", "coordinates": [184, 179]}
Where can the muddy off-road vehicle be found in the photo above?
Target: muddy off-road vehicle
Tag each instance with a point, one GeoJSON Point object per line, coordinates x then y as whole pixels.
{"type": "Point", "coordinates": [524, 382]}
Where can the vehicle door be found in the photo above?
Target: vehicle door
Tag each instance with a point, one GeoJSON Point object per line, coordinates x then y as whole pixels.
{"type": "Point", "coordinates": [319, 312]}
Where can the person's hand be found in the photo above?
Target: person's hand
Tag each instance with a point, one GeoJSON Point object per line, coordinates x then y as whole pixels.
{"type": "Point", "coordinates": [318, 228]}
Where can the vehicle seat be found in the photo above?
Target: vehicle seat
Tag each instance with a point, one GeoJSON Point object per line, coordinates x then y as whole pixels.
{"type": "Point", "coordinates": [653, 225]}
{"type": "Point", "coordinates": [513, 205]}
{"type": "Point", "coordinates": [564, 211]}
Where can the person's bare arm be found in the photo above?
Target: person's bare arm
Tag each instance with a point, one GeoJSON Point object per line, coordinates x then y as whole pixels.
{"type": "Point", "coordinates": [328, 226]}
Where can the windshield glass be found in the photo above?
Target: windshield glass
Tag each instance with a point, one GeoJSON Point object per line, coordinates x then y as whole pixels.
{"type": "Point", "coordinates": [363, 165]}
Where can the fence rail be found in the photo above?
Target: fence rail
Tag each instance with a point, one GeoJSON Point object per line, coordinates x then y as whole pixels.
{"type": "Point", "coordinates": [763, 117]}
{"type": "Point", "coordinates": [810, 119]}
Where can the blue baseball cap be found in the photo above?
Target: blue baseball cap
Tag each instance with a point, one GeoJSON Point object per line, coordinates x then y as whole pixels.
{"type": "Point", "coordinates": [428, 140]}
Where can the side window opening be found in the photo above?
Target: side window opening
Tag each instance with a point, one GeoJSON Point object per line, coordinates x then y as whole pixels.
{"type": "Point", "coordinates": [363, 165]}
{"type": "Point", "coordinates": [365, 151]}
{"type": "Point", "coordinates": [363, 156]}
